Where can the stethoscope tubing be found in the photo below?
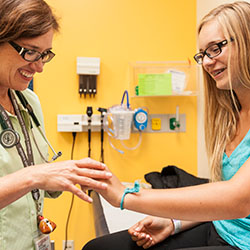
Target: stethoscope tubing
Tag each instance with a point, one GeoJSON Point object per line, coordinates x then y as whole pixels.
{"type": "Point", "coordinates": [28, 107]}
{"type": "Point", "coordinates": [38, 125]}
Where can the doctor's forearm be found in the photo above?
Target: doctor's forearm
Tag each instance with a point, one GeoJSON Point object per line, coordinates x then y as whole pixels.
{"type": "Point", "coordinates": [14, 186]}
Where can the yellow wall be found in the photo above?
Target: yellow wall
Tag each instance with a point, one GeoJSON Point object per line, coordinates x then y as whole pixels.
{"type": "Point", "coordinates": [119, 32]}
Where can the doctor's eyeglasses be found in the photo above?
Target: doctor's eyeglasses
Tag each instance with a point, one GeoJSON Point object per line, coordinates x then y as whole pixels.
{"type": "Point", "coordinates": [31, 55]}
{"type": "Point", "coordinates": [211, 52]}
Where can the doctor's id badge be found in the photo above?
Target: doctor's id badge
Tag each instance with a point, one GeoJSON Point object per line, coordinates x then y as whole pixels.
{"type": "Point", "coordinates": [42, 242]}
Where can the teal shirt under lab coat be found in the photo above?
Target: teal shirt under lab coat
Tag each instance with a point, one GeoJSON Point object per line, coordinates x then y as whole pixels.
{"type": "Point", "coordinates": [18, 221]}
{"type": "Point", "coordinates": [236, 232]}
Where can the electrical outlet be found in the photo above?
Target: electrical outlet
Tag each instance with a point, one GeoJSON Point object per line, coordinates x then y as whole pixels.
{"type": "Point", "coordinates": [69, 246]}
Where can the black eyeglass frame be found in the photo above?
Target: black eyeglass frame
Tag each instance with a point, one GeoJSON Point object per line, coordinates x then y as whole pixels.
{"type": "Point", "coordinates": [220, 45]}
{"type": "Point", "coordinates": [22, 52]}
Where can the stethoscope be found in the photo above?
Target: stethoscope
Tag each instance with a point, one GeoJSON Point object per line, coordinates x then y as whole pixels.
{"type": "Point", "coordinates": [10, 138]}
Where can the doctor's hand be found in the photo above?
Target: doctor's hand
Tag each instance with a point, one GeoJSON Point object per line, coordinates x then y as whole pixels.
{"type": "Point", "coordinates": [64, 175]}
{"type": "Point", "coordinates": [151, 230]}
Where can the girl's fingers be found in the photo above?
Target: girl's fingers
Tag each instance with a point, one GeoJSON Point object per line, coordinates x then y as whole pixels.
{"type": "Point", "coordinates": [142, 239]}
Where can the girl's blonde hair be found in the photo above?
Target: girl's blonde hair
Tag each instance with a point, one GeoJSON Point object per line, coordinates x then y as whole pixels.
{"type": "Point", "coordinates": [222, 106]}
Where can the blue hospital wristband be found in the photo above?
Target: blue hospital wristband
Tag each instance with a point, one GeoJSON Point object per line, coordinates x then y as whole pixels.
{"type": "Point", "coordinates": [135, 189]}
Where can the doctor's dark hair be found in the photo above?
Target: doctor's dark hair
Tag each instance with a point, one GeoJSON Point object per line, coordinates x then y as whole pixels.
{"type": "Point", "coordinates": [25, 19]}
{"type": "Point", "coordinates": [222, 106]}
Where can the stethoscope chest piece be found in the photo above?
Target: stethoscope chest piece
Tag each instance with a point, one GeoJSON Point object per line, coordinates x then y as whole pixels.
{"type": "Point", "coordinates": [9, 138]}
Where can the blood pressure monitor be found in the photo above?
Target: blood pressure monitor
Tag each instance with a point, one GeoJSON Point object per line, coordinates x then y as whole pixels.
{"type": "Point", "coordinates": [140, 119]}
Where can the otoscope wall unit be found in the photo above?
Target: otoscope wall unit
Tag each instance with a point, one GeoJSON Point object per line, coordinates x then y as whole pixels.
{"type": "Point", "coordinates": [78, 123]}
{"type": "Point", "coordinates": [172, 78]}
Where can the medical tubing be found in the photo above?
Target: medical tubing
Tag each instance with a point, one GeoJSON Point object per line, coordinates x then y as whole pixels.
{"type": "Point", "coordinates": [102, 111]}
{"type": "Point", "coordinates": [125, 93]}
{"type": "Point", "coordinates": [26, 105]}
{"type": "Point", "coordinates": [89, 142]}
{"type": "Point", "coordinates": [89, 114]}
{"type": "Point", "coordinates": [135, 147]}
{"type": "Point", "coordinates": [45, 138]}
{"type": "Point", "coordinates": [112, 145]}
{"type": "Point", "coordinates": [135, 189]}
{"type": "Point", "coordinates": [102, 139]}
{"type": "Point", "coordinates": [55, 156]}
{"type": "Point", "coordinates": [39, 151]}
{"type": "Point", "coordinates": [73, 144]}
{"type": "Point", "coordinates": [72, 197]}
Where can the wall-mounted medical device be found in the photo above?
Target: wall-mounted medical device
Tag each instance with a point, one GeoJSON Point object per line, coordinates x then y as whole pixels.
{"type": "Point", "coordinates": [120, 119]}
{"type": "Point", "coordinates": [78, 123]}
{"type": "Point", "coordinates": [88, 68]}
{"type": "Point", "coordinates": [140, 119]}
{"type": "Point", "coordinates": [117, 121]}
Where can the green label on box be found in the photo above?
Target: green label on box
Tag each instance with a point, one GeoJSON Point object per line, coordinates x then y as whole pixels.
{"type": "Point", "coordinates": [155, 84]}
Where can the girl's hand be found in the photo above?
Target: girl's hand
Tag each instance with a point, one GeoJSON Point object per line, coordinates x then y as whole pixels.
{"type": "Point", "coordinates": [151, 230]}
{"type": "Point", "coordinates": [114, 191]}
